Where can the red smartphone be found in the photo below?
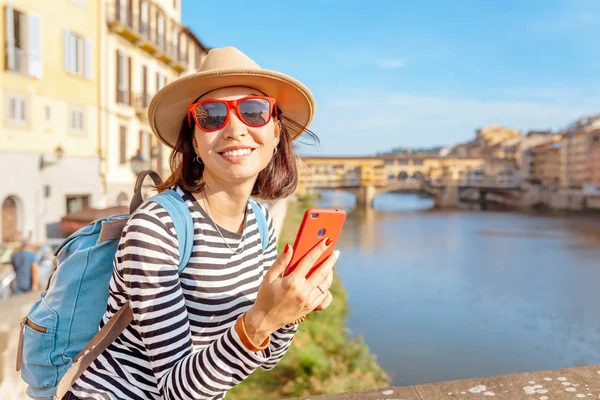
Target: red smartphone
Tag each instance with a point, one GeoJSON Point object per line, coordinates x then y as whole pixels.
{"type": "Point", "coordinates": [317, 224]}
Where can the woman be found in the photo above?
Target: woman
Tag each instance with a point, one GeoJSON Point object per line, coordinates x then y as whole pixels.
{"type": "Point", "coordinates": [231, 310]}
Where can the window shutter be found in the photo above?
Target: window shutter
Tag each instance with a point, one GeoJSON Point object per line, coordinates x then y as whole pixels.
{"type": "Point", "coordinates": [23, 109]}
{"type": "Point", "coordinates": [118, 80]}
{"type": "Point", "coordinates": [144, 100]}
{"type": "Point", "coordinates": [68, 50]}
{"type": "Point", "coordinates": [72, 122]}
{"type": "Point", "coordinates": [88, 58]}
{"type": "Point", "coordinates": [129, 94]}
{"type": "Point", "coordinates": [34, 45]}
{"type": "Point", "coordinates": [9, 20]}
{"type": "Point", "coordinates": [123, 144]}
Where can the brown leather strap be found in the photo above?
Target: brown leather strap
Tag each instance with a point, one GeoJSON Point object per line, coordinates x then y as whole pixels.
{"type": "Point", "coordinates": [92, 350]}
{"type": "Point", "coordinates": [20, 346]}
{"type": "Point", "coordinates": [112, 230]}
{"type": "Point", "coordinates": [137, 199]}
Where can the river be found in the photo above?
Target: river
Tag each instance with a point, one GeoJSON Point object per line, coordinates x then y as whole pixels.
{"type": "Point", "coordinates": [442, 295]}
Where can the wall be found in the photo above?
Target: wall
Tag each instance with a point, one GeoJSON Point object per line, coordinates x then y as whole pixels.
{"type": "Point", "coordinates": [39, 216]}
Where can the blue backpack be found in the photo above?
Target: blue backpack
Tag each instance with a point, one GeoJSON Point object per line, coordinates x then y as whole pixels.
{"type": "Point", "coordinates": [59, 336]}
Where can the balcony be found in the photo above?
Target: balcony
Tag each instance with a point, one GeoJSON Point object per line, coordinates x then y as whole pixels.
{"type": "Point", "coordinates": [141, 102]}
{"type": "Point", "coordinates": [180, 62]}
{"type": "Point", "coordinates": [120, 20]}
{"type": "Point", "coordinates": [142, 33]}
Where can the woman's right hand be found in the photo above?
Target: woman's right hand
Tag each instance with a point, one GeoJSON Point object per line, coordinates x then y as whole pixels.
{"type": "Point", "coordinates": [281, 300]}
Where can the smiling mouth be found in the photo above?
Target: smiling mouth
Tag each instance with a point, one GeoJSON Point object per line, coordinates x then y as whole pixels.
{"type": "Point", "coordinates": [236, 153]}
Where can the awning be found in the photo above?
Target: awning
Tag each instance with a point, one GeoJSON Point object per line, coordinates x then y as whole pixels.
{"type": "Point", "coordinates": [77, 220]}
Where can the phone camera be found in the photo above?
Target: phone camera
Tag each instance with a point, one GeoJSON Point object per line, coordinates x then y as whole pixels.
{"type": "Point", "coordinates": [315, 215]}
{"type": "Point", "coordinates": [321, 233]}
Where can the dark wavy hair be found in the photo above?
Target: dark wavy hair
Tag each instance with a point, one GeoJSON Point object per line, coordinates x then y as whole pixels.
{"type": "Point", "coordinates": [278, 180]}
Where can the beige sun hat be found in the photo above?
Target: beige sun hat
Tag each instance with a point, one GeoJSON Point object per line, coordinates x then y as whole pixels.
{"type": "Point", "coordinates": [226, 67]}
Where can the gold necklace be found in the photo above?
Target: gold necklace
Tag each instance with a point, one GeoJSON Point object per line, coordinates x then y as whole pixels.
{"type": "Point", "coordinates": [235, 251]}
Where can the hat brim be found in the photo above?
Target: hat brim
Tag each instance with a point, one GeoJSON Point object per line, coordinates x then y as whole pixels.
{"type": "Point", "coordinates": [168, 107]}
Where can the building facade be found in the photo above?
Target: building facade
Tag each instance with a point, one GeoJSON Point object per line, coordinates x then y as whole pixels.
{"type": "Point", "coordinates": [48, 120]}
{"type": "Point", "coordinates": [144, 47]}
{"type": "Point", "coordinates": [547, 162]}
{"type": "Point", "coordinates": [524, 161]}
{"type": "Point", "coordinates": [74, 93]}
{"type": "Point", "coordinates": [594, 163]}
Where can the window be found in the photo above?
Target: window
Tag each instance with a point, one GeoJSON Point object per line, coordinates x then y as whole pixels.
{"type": "Point", "coordinates": [145, 100]}
{"type": "Point", "coordinates": [78, 54]}
{"type": "Point", "coordinates": [17, 109]}
{"type": "Point", "coordinates": [23, 38]}
{"type": "Point", "coordinates": [124, 9]}
{"type": "Point", "coordinates": [184, 48]}
{"type": "Point", "coordinates": [123, 144]}
{"type": "Point", "coordinates": [48, 113]}
{"type": "Point", "coordinates": [77, 203]}
{"type": "Point", "coordinates": [144, 19]}
{"type": "Point", "coordinates": [123, 78]}
{"type": "Point", "coordinates": [174, 42]}
{"type": "Point", "coordinates": [161, 81]}
{"type": "Point", "coordinates": [76, 120]}
{"type": "Point", "coordinates": [160, 31]}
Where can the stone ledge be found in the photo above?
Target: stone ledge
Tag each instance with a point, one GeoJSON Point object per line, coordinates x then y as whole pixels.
{"type": "Point", "coordinates": [568, 383]}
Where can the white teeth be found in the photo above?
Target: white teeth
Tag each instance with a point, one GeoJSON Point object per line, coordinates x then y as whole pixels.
{"type": "Point", "coordinates": [238, 152]}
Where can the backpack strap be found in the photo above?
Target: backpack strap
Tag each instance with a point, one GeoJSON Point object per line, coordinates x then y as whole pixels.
{"type": "Point", "coordinates": [261, 220]}
{"type": "Point", "coordinates": [175, 205]}
{"type": "Point", "coordinates": [182, 219]}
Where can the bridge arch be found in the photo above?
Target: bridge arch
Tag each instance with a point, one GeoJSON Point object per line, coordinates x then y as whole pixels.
{"type": "Point", "coordinates": [403, 175]}
{"type": "Point", "coordinates": [418, 175]}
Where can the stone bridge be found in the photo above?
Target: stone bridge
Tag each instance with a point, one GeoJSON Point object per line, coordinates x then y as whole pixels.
{"type": "Point", "coordinates": [368, 177]}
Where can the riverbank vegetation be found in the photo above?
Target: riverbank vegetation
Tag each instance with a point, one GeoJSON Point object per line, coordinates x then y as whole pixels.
{"type": "Point", "coordinates": [323, 358]}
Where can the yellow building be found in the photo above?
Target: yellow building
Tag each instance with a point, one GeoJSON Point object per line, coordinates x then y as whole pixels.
{"type": "Point", "coordinates": [76, 80]}
{"type": "Point", "coordinates": [594, 162]}
{"type": "Point", "coordinates": [578, 158]}
{"type": "Point", "coordinates": [546, 162]}
{"type": "Point", "coordinates": [144, 47]}
{"type": "Point", "coordinates": [495, 134]}
{"type": "Point", "coordinates": [48, 121]}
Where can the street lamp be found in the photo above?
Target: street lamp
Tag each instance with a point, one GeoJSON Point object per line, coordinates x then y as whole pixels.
{"type": "Point", "coordinates": [138, 163]}
{"type": "Point", "coordinates": [58, 152]}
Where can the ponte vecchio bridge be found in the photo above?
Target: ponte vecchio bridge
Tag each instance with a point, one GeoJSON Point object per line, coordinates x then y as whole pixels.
{"type": "Point", "coordinates": [368, 177]}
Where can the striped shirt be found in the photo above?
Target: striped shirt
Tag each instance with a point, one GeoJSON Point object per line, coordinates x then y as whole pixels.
{"type": "Point", "coordinates": [182, 343]}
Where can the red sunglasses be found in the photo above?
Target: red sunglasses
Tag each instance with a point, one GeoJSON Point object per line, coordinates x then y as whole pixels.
{"type": "Point", "coordinates": [212, 115]}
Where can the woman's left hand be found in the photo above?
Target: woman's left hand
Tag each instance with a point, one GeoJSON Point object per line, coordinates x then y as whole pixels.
{"type": "Point", "coordinates": [325, 286]}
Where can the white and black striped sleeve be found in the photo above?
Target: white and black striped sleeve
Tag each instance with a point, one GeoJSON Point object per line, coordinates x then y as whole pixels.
{"type": "Point", "coordinates": [282, 338]}
{"type": "Point", "coordinates": [148, 262]}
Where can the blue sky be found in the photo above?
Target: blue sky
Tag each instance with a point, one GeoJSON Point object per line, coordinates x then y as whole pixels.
{"type": "Point", "coordinates": [419, 73]}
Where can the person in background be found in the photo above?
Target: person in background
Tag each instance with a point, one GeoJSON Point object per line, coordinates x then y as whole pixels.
{"type": "Point", "coordinates": [26, 268]}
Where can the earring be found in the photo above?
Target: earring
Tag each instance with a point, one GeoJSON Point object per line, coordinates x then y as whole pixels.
{"type": "Point", "coordinates": [198, 160]}
{"type": "Point", "coordinates": [275, 151]}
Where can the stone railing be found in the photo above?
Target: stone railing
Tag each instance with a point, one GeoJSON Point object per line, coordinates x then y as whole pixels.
{"type": "Point", "coordinates": [569, 383]}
